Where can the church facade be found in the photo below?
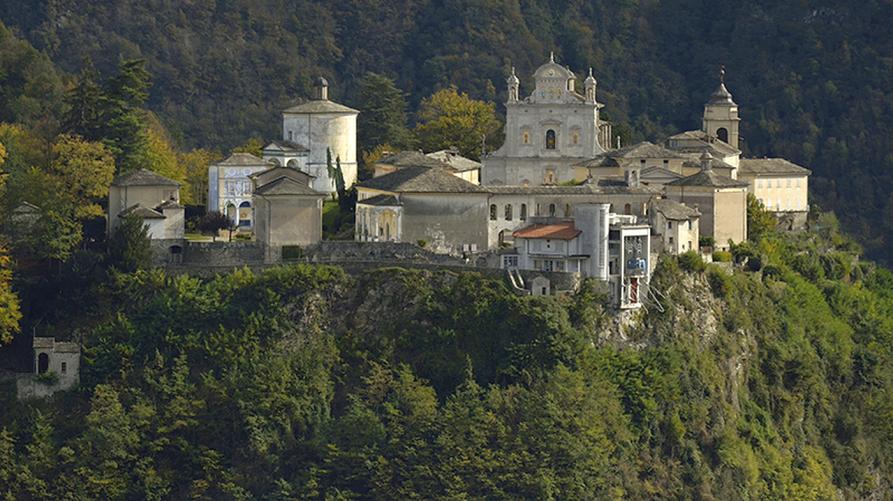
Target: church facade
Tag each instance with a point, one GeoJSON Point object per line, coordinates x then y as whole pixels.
{"type": "Point", "coordinates": [549, 131]}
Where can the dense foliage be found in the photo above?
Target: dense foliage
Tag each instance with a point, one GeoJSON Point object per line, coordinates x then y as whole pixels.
{"type": "Point", "coordinates": [304, 382]}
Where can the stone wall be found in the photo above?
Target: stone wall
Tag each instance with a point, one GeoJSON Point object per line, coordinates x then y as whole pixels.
{"type": "Point", "coordinates": [28, 386]}
{"type": "Point", "coordinates": [207, 254]}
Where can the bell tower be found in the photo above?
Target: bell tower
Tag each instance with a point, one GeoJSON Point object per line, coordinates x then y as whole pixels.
{"type": "Point", "coordinates": [721, 114]}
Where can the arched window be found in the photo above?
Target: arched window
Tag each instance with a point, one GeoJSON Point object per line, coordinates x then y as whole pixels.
{"type": "Point", "coordinates": [723, 134]}
{"type": "Point", "coordinates": [550, 139]}
{"type": "Point", "coordinates": [492, 212]}
{"type": "Point", "coordinates": [43, 363]}
{"type": "Point", "coordinates": [293, 163]}
{"type": "Point", "coordinates": [627, 209]}
{"type": "Point", "coordinates": [275, 161]}
{"type": "Point", "coordinates": [245, 213]}
{"type": "Point", "coordinates": [523, 212]}
{"type": "Point", "coordinates": [575, 138]}
{"type": "Point", "coordinates": [508, 212]}
{"type": "Point", "coordinates": [551, 210]}
{"type": "Point", "coordinates": [525, 137]}
{"type": "Point", "coordinates": [291, 136]}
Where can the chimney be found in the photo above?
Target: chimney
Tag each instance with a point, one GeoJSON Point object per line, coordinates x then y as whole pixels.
{"type": "Point", "coordinates": [706, 161]}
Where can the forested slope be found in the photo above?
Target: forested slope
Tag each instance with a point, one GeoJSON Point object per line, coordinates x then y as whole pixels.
{"type": "Point", "coordinates": [772, 382]}
{"type": "Point", "coordinates": [812, 76]}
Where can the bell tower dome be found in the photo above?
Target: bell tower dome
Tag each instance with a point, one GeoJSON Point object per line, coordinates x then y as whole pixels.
{"type": "Point", "coordinates": [721, 114]}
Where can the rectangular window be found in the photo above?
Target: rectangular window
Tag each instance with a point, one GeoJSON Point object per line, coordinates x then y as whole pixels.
{"type": "Point", "coordinates": [669, 225]}
{"type": "Point", "coordinates": [64, 367]}
{"type": "Point", "coordinates": [509, 262]}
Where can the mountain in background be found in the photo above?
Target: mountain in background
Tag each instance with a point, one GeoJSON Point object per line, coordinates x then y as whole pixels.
{"type": "Point", "coordinates": [811, 77]}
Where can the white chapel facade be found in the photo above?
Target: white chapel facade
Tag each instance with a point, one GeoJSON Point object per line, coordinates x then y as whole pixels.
{"type": "Point", "coordinates": [549, 131]}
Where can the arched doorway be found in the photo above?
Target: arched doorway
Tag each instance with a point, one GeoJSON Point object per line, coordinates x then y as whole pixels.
{"type": "Point", "coordinates": [176, 254]}
{"type": "Point", "coordinates": [43, 363]}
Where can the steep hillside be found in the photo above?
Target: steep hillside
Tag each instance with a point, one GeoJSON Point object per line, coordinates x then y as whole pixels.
{"type": "Point", "coordinates": [770, 382]}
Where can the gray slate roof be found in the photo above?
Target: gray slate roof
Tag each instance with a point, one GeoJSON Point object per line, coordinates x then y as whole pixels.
{"type": "Point", "coordinates": [283, 145]}
{"type": "Point", "coordinates": [674, 210]}
{"type": "Point", "coordinates": [244, 159]}
{"type": "Point", "coordinates": [141, 212]}
{"type": "Point", "coordinates": [320, 106]}
{"type": "Point", "coordinates": [604, 186]}
{"type": "Point", "coordinates": [287, 186]}
{"type": "Point", "coordinates": [142, 177]}
{"type": "Point", "coordinates": [721, 96]}
{"type": "Point", "coordinates": [26, 208]}
{"type": "Point", "coordinates": [410, 158]}
{"type": "Point", "coordinates": [715, 163]}
{"type": "Point", "coordinates": [715, 145]}
{"type": "Point", "coordinates": [169, 204]}
{"type": "Point", "coordinates": [708, 178]}
{"type": "Point", "coordinates": [659, 172]}
{"type": "Point", "coordinates": [771, 167]}
{"type": "Point", "coordinates": [643, 149]}
{"type": "Point", "coordinates": [381, 201]}
{"type": "Point", "coordinates": [285, 170]}
{"type": "Point", "coordinates": [419, 179]}
{"type": "Point", "coordinates": [454, 160]}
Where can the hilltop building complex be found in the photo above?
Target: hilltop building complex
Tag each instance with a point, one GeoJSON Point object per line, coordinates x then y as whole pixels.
{"type": "Point", "coordinates": [559, 196]}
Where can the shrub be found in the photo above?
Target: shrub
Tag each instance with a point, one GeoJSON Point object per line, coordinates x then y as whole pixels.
{"type": "Point", "coordinates": [722, 257]}
{"type": "Point", "coordinates": [706, 241]}
{"type": "Point", "coordinates": [422, 243]}
{"type": "Point", "coordinates": [720, 282]}
{"type": "Point", "coordinates": [48, 378]}
{"type": "Point", "coordinates": [691, 261]}
{"type": "Point", "coordinates": [771, 271]}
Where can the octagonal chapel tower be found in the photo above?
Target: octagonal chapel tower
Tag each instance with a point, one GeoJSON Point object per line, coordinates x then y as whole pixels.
{"type": "Point", "coordinates": [320, 125]}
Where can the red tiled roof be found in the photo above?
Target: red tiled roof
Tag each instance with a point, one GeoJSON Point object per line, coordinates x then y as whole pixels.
{"type": "Point", "coordinates": [559, 231]}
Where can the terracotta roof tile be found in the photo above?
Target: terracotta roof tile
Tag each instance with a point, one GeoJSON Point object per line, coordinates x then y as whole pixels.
{"type": "Point", "coordinates": [557, 231]}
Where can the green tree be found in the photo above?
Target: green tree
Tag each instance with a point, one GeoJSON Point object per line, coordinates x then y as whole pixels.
{"type": "Point", "coordinates": [760, 222]}
{"type": "Point", "coordinates": [86, 103]}
{"type": "Point", "coordinates": [254, 146]}
{"type": "Point", "coordinates": [9, 301]}
{"type": "Point", "coordinates": [10, 314]}
{"type": "Point", "coordinates": [196, 163]}
{"type": "Point", "coordinates": [81, 173]}
{"type": "Point", "coordinates": [383, 117]}
{"type": "Point", "coordinates": [450, 119]}
{"type": "Point", "coordinates": [129, 247]}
